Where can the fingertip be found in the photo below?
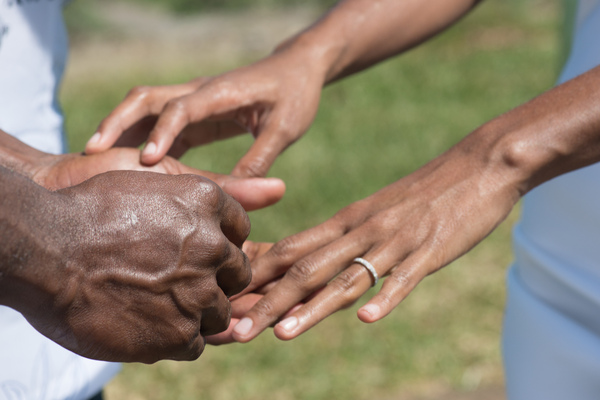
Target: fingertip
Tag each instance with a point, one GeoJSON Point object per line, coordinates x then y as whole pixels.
{"type": "Point", "coordinates": [92, 146]}
{"type": "Point", "coordinates": [150, 154]}
{"type": "Point", "coordinates": [369, 313]}
{"type": "Point", "coordinates": [255, 193]}
{"type": "Point", "coordinates": [242, 330]}
{"type": "Point", "coordinates": [287, 329]}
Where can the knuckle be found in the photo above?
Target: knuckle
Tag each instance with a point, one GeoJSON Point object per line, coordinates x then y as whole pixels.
{"type": "Point", "coordinates": [284, 250]}
{"type": "Point", "coordinates": [219, 323]}
{"type": "Point", "coordinates": [398, 282]}
{"type": "Point", "coordinates": [338, 225]}
{"type": "Point", "coordinates": [178, 109]}
{"type": "Point", "coordinates": [205, 189]}
{"type": "Point", "coordinates": [195, 351]}
{"type": "Point", "coordinates": [400, 278]}
{"type": "Point", "coordinates": [256, 167]}
{"type": "Point", "coordinates": [139, 92]}
{"type": "Point", "coordinates": [184, 343]}
{"type": "Point", "coordinates": [176, 104]}
{"type": "Point", "coordinates": [211, 190]}
{"type": "Point", "coordinates": [303, 273]}
{"type": "Point", "coordinates": [194, 348]}
{"type": "Point", "coordinates": [246, 274]}
{"type": "Point", "coordinates": [265, 310]}
{"type": "Point", "coordinates": [349, 216]}
{"type": "Point", "coordinates": [345, 286]}
{"type": "Point", "coordinates": [217, 249]}
{"type": "Point", "coordinates": [234, 278]}
{"type": "Point", "coordinates": [383, 223]}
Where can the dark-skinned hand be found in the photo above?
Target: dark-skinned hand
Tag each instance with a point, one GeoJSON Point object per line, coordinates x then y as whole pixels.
{"type": "Point", "coordinates": [135, 266]}
{"type": "Point", "coordinates": [131, 265]}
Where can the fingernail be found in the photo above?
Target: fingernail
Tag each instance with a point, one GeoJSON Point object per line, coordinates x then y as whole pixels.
{"type": "Point", "coordinates": [150, 149]}
{"type": "Point", "coordinates": [95, 138]}
{"type": "Point", "coordinates": [372, 309]}
{"type": "Point", "coordinates": [289, 324]}
{"type": "Point", "coordinates": [243, 327]}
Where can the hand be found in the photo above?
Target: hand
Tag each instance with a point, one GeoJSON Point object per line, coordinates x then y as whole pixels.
{"type": "Point", "coordinates": [241, 304]}
{"type": "Point", "coordinates": [275, 99]}
{"type": "Point", "coordinates": [407, 230]}
{"type": "Point", "coordinates": [62, 171]}
{"type": "Point", "coordinates": [136, 266]}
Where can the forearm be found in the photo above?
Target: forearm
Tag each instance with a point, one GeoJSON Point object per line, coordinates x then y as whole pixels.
{"type": "Point", "coordinates": [19, 157]}
{"type": "Point", "coordinates": [555, 133]}
{"type": "Point", "coordinates": [359, 33]}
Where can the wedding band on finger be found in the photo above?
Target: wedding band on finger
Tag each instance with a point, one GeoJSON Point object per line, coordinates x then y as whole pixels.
{"type": "Point", "coordinates": [369, 268]}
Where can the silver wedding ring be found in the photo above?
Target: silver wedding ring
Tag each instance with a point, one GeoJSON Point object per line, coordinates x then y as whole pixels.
{"type": "Point", "coordinates": [369, 268]}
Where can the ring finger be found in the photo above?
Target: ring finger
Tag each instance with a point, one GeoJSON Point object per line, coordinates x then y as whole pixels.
{"type": "Point", "coordinates": [340, 293]}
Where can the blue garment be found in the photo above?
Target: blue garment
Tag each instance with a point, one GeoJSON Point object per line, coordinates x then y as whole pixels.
{"type": "Point", "coordinates": [551, 342]}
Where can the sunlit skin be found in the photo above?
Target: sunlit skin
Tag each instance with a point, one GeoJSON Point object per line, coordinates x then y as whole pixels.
{"type": "Point", "coordinates": [134, 265]}
{"type": "Point", "coordinates": [407, 230]}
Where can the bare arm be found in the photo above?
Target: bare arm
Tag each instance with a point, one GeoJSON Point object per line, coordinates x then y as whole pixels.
{"type": "Point", "coordinates": [424, 221]}
{"type": "Point", "coordinates": [357, 34]}
{"type": "Point", "coordinates": [101, 264]}
{"type": "Point", "coordinates": [276, 98]}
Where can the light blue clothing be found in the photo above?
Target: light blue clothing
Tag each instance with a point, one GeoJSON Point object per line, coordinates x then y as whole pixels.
{"type": "Point", "coordinates": [551, 342]}
{"type": "Point", "coordinates": [33, 50]}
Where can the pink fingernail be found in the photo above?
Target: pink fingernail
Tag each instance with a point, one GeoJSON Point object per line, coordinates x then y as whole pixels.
{"type": "Point", "coordinates": [372, 309]}
{"type": "Point", "coordinates": [95, 138]}
{"type": "Point", "coordinates": [150, 149]}
{"type": "Point", "coordinates": [289, 324]}
{"type": "Point", "coordinates": [243, 327]}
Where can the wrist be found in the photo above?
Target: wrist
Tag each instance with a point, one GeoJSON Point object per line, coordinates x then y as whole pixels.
{"type": "Point", "coordinates": [31, 243]}
{"type": "Point", "coordinates": [319, 47]}
{"type": "Point", "coordinates": [21, 158]}
{"type": "Point", "coordinates": [506, 155]}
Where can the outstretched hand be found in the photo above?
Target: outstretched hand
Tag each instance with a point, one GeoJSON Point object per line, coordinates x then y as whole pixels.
{"type": "Point", "coordinates": [407, 230]}
{"type": "Point", "coordinates": [71, 169]}
{"type": "Point", "coordinates": [275, 99]}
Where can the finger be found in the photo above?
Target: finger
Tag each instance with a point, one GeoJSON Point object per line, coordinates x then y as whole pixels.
{"type": "Point", "coordinates": [140, 102]}
{"type": "Point", "coordinates": [255, 249]}
{"type": "Point", "coordinates": [190, 353]}
{"type": "Point", "coordinates": [303, 278]}
{"type": "Point", "coordinates": [235, 273]}
{"type": "Point", "coordinates": [207, 101]}
{"type": "Point", "coordinates": [255, 193]}
{"type": "Point", "coordinates": [239, 307]}
{"type": "Point", "coordinates": [251, 193]}
{"type": "Point", "coordinates": [235, 223]}
{"type": "Point", "coordinates": [215, 317]}
{"type": "Point", "coordinates": [269, 143]}
{"type": "Point", "coordinates": [286, 252]}
{"type": "Point", "coordinates": [137, 134]}
{"type": "Point", "coordinates": [200, 133]}
{"type": "Point", "coordinates": [340, 293]}
{"type": "Point", "coordinates": [396, 287]}
{"type": "Point", "coordinates": [261, 290]}
{"type": "Point", "coordinates": [225, 337]}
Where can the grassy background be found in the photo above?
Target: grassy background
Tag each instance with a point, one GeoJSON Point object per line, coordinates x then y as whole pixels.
{"type": "Point", "coordinates": [371, 130]}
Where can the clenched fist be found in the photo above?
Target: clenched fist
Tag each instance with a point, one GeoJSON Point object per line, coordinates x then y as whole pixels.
{"type": "Point", "coordinates": [126, 266]}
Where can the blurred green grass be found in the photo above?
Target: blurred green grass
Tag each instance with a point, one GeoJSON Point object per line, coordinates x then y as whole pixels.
{"type": "Point", "coordinates": [371, 130]}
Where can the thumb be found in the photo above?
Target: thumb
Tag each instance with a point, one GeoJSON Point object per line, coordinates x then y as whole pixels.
{"type": "Point", "coordinates": [255, 193]}
{"type": "Point", "coordinates": [251, 193]}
